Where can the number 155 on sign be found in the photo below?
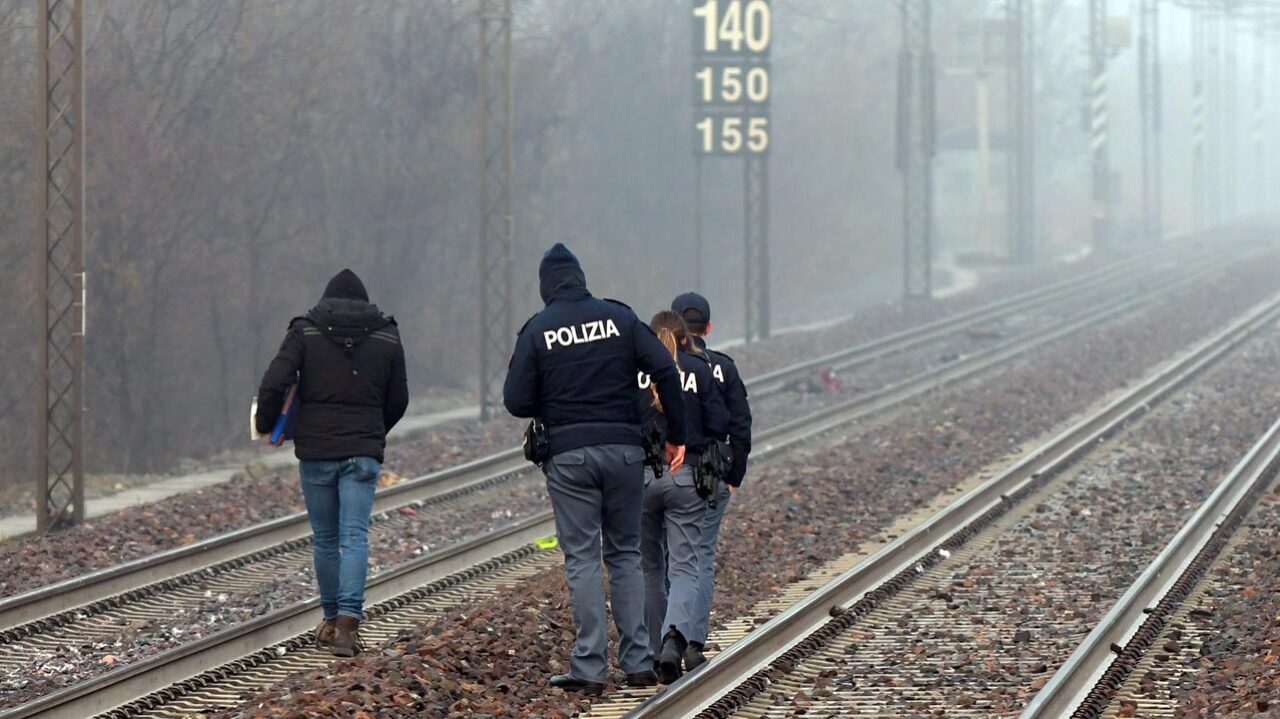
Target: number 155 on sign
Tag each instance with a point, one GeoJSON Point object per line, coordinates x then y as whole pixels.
{"type": "Point", "coordinates": [731, 135]}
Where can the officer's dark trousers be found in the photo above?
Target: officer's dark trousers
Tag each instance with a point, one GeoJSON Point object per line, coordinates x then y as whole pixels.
{"type": "Point", "coordinates": [594, 490]}
{"type": "Point", "coordinates": [672, 533]}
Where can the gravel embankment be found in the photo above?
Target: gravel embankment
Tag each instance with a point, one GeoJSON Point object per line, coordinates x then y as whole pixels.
{"type": "Point", "coordinates": [1223, 658]}
{"type": "Point", "coordinates": [982, 631]}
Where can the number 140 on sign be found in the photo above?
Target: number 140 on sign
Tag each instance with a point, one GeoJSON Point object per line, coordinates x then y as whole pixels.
{"type": "Point", "coordinates": [731, 135]}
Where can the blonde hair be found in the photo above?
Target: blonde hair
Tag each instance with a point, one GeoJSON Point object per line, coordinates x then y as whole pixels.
{"type": "Point", "coordinates": [672, 333]}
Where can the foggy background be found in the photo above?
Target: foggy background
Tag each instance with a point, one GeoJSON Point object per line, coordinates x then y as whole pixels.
{"type": "Point", "coordinates": [240, 152]}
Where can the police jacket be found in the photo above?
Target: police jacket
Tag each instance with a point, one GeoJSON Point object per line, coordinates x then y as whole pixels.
{"type": "Point", "coordinates": [353, 383]}
{"type": "Point", "coordinates": [706, 418]}
{"type": "Point", "coordinates": [735, 400]}
{"type": "Point", "coordinates": [575, 366]}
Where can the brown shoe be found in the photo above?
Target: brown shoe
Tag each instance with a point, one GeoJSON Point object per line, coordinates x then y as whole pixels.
{"type": "Point", "coordinates": [346, 642]}
{"type": "Point", "coordinates": [325, 633]}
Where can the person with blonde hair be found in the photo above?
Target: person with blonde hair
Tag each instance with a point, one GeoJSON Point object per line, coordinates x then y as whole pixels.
{"type": "Point", "coordinates": [671, 530]}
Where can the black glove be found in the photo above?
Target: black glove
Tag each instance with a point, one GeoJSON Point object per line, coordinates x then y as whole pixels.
{"type": "Point", "coordinates": [739, 468]}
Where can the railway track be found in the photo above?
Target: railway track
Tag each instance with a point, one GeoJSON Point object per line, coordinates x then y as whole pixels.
{"type": "Point", "coordinates": [876, 639]}
{"type": "Point", "coordinates": [128, 683]}
{"type": "Point", "coordinates": [1108, 675]}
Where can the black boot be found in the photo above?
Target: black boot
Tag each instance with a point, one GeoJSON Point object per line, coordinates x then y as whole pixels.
{"type": "Point", "coordinates": [642, 679]}
{"type": "Point", "coordinates": [673, 646]}
{"type": "Point", "coordinates": [571, 683]}
{"type": "Point", "coordinates": [693, 656]}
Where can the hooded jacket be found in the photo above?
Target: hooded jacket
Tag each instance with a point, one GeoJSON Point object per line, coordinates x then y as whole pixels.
{"type": "Point", "coordinates": [575, 364]}
{"type": "Point", "coordinates": [351, 364]}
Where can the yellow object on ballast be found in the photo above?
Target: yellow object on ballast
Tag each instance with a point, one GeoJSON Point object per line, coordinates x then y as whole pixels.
{"type": "Point", "coordinates": [547, 542]}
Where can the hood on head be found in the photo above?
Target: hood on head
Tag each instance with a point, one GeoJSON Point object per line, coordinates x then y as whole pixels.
{"type": "Point", "coordinates": [346, 285]}
{"type": "Point", "coordinates": [559, 271]}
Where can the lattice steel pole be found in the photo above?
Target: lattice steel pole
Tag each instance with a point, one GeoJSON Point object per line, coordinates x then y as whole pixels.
{"type": "Point", "coordinates": [1230, 120]}
{"type": "Point", "coordinates": [60, 271]}
{"type": "Point", "coordinates": [1099, 124]}
{"type": "Point", "coordinates": [1259, 129]}
{"type": "Point", "coordinates": [1020, 142]}
{"type": "Point", "coordinates": [1151, 94]}
{"type": "Point", "coordinates": [755, 187]}
{"type": "Point", "coordinates": [1198, 123]}
{"type": "Point", "coordinates": [1213, 117]}
{"type": "Point", "coordinates": [915, 146]}
{"type": "Point", "coordinates": [496, 222]}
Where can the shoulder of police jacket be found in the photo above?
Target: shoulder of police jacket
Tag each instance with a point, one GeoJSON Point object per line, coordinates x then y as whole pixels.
{"type": "Point", "coordinates": [695, 360]}
{"type": "Point", "coordinates": [527, 322]}
{"type": "Point", "coordinates": [721, 356]}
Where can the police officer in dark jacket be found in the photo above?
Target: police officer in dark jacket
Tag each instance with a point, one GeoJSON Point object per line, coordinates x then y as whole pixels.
{"type": "Point", "coordinates": [696, 312]}
{"type": "Point", "coordinates": [674, 511]}
{"type": "Point", "coordinates": [574, 368]}
{"type": "Point", "coordinates": [348, 360]}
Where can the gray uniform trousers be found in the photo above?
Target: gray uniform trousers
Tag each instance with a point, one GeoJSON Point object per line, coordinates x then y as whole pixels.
{"type": "Point", "coordinates": [593, 489]}
{"type": "Point", "coordinates": [673, 516]}
{"type": "Point", "coordinates": [707, 563]}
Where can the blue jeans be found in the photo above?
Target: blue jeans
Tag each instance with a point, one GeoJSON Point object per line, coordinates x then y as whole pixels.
{"type": "Point", "coordinates": [339, 495]}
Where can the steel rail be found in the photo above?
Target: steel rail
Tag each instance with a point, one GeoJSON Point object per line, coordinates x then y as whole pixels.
{"type": "Point", "coordinates": [741, 671]}
{"type": "Point", "coordinates": [1142, 610]}
{"type": "Point", "coordinates": [134, 575]}
{"type": "Point", "coordinates": [165, 566]}
{"type": "Point", "coordinates": [777, 380]}
{"type": "Point", "coordinates": [131, 683]}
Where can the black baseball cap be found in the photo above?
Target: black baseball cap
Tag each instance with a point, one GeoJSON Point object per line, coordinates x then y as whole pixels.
{"type": "Point", "coordinates": [693, 307]}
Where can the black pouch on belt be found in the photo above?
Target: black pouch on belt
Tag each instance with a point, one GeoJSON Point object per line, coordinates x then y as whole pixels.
{"type": "Point", "coordinates": [712, 467]}
{"type": "Point", "coordinates": [536, 448]}
{"type": "Point", "coordinates": [655, 441]}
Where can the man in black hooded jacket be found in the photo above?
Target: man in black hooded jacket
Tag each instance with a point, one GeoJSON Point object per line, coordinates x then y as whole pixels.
{"type": "Point", "coordinates": [348, 360]}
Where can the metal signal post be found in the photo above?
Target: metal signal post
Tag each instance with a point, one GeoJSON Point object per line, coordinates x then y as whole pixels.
{"type": "Point", "coordinates": [1198, 122]}
{"type": "Point", "coordinates": [1258, 131]}
{"type": "Point", "coordinates": [496, 222]}
{"type": "Point", "coordinates": [1150, 87]}
{"type": "Point", "coordinates": [1098, 124]}
{"type": "Point", "coordinates": [60, 282]}
{"type": "Point", "coordinates": [732, 87]}
{"type": "Point", "coordinates": [1230, 153]}
{"type": "Point", "coordinates": [915, 146]}
{"type": "Point", "coordinates": [1020, 43]}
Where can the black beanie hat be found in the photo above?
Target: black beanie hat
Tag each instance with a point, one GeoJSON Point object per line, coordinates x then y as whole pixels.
{"type": "Point", "coordinates": [346, 285]}
{"type": "Point", "coordinates": [559, 268]}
